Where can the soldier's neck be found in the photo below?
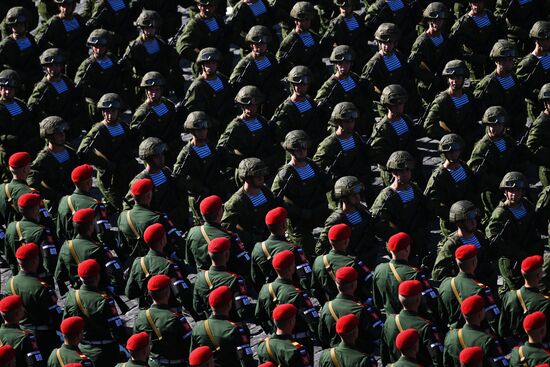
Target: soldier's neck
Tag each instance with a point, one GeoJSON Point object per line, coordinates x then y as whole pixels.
{"type": "Point", "coordinates": [455, 92]}
{"type": "Point", "coordinates": [55, 147]}
{"type": "Point", "coordinates": [249, 189]}
{"type": "Point", "coordinates": [296, 97]}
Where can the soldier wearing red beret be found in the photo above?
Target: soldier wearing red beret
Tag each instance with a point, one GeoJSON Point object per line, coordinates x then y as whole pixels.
{"type": "Point", "coordinates": [471, 357]}
{"type": "Point", "coordinates": [201, 357]}
{"type": "Point", "coordinates": [532, 352]}
{"type": "Point", "coordinates": [7, 356]}
{"type": "Point", "coordinates": [19, 166]}
{"type": "Point", "coordinates": [139, 346]}
{"type": "Point", "coordinates": [72, 329]}
{"type": "Point", "coordinates": [407, 342]}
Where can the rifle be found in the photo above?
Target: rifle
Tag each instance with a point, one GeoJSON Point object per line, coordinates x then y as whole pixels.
{"type": "Point", "coordinates": [177, 172]}
{"type": "Point", "coordinates": [241, 75]}
{"type": "Point", "coordinates": [322, 103]}
{"type": "Point", "coordinates": [138, 125]}
{"type": "Point", "coordinates": [120, 303]}
{"type": "Point", "coordinates": [285, 55]}
{"type": "Point", "coordinates": [372, 22]}
{"type": "Point", "coordinates": [482, 161]}
{"type": "Point", "coordinates": [77, 85]}
{"type": "Point", "coordinates": [282, 192]}
{"type": "Point", "coordinates": [329, 168]}
{"type": "Point", "coordinates": [499, 234]}
{"type": "Point", "coordinates": [525, 135]}
{"type": "Point", "coordinates": [179, 32]}
{"type": "Point", "coordinates": [84, 152]}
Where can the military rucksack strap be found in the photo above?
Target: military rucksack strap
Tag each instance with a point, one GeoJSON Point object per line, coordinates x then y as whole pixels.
{"type": "Point", "coordinates": [204, 235]}
{"type": "Point", "coordinates": [211, 335]}
{"type": "Point", "coordinates": [8, 195]}
{"type": "Point", "coordinates": [395, 273]}
{"type": "Point", "coordinates": [398, 323]}
{"type": "Point", "coordinates": [79, 303]}
{"type": "Point", "coordinates": [521, 301]}
{"type": "Point", "coordinates": [70, 204]}
{"type": "Point", "coordinates": [332, 312]}
{"type": "Point", "coordinates": [272, 293]}
{"type": "Point", "coordinates": [72, 250]}
{"type": "Point", "coordinates": [334, 358]}
{"type": "Point", "coordinates": [19, 231]}
{"type": "Point", "coordinates": [455, 291]}
{"type": "Point", "coordinates": [328, 267]}
{"type": "Point", "coordinates": [207, 278]}
{"type": "Point", "coordinates": [12, 286]}
{"type": "Point", "coordinates": [522, 358]}
{"type": "Point", "coordinates": [131, 225]}
{"type": "Point", "coordinates": [144, 267]}
{"type": "Point", "coordinates": [152, 324]}
{"type": "Point", "coordinates": [59, 359]}
{"type": "Point", "coordinates": [461, 339]}
{"type": "Point", "coordinates": [269, 351]}
{"type": "Point", "coordinates": [265, 251]}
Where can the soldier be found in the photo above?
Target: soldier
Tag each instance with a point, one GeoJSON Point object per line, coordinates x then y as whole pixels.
{"type": "Point", "coordinates": [217, 275]}
{"type": "Point", "coordinates": [493, 155]}
{"type": "Point", "coordinates": [299, 111]}
{"type": "Point", "coordinates": [345, 303]}
{"type": "Point", "coordinates": [67, 31]}
{"type": "Point", "coordinates": [109, 147]}
{"type": "Point", "coordinates": [201, 356]}
{"type": "Point", "coordinates": [346, 353]}
{"type": "Point", "coordinates": [430, 52]}
{"type": "Point", "coordinates": [532, 352]}
{"type": "Point", "coordinates": [246, 209]}
{"type": "Point", "coordinates": [401, 206]}
{"type": "Point", "coordinates": [451, 181]}
{"type": "Point", "coordinates": [525, 300]}
{"type": "Point", "coordinates": [42, 314]}
{"type": "Point", "coordinates": [431, 350]}
{"type": "Point", "coordinates": [472, 334]}
{"type": "Point", "coordinates": [534, 70]}
{"type": "Point", "coordinates": [537, 141]}
{"type": "Point", "coordinates": [280, 346]}
{"type": "Point", "coordinates": [104, 329]}
{"type": "Point", "coordinates": [301, 45]}
{"type": "Point", "coordinates": [407, 342]}
{"type": "Point", "coordinates": [395, 131]}
{"type": "Point", "coordinates": [7, 355]}
{"type": "Point", "coordinates": [248, 134]}
{"type": "Point", "coordinates": [519, 19]}
{"type": "Point", "coordinates": [211, 93]}
{"type": "Point", "coordinates": [51, 170]}
{"type": "Point", "coordinates": [453, 110]}
{"type": "Point", "coordinates": [283, 290]}
{"type": "Point", "coordinates": [199, 165]}
{"type": "Point", "coordinates": [28, 5]}
{"type": "Point", "coordinates": [474, 34]}
{"type": "Point", "coordinates": [19, 50]}
{"type": "Point", "coordinates": [513, 230]}
{"type": "Point", "coordinates": [230, 340]}
{"type": "Point", "coordinates": [302, 186]}
{"type": "Point", "coordinates": [345, 86]}
{"type": "Point", "coordinates": [464, 215]}
{"type": "Point", "coordinates": [246, 14]}
{"type": "Point", "coordinates": [169, 331]}
{"type": "Point", "coordinates": [260, 69]}
{"type": "Point", "coordinates": [19, 165]}
{"type": "Point", "coordinates": [471, 357]}
{"type": "Point", "coordinates": [262, 271]}
{"type": "Point", "coordinates": [18, 130]}
{"type": "Point", "coordinates": [157, 117]}
{"type": "Point", "coordinates": [168, 193]}
{"type": "Point", "coordinates": [139, 346]}
{"type": "Point", "coordinates": [24, 343]}
{"type": "Point", "coordinates": [168, 11]}
{"type": "Point", "coordinates": [72, 329]}
{"type": "Point", "coordinates": [502, 87]}
{"type": "Point", "coordinates": [344, 153]}
{"type": "Point", "coordinates": [156, 262]}
{"type": "Point", "coordinates": [57, 95]}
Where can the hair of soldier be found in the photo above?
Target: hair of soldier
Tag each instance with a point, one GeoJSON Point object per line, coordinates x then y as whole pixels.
{"type": "Point", "coordinates": [29, 212]}
{"type": "Point", "coordinates": [410, 303]}
{"type": "Point", "coordinates": [351, 336]}
{"type": "Point", "coordinates": [10, 316]}
{"type": "Point", "coordinates": [139, 354]}
{"type": "Point", "coordinates": [467, 264]}
{"type": "Point", "coordinates": [210, 217]}
{"type": "Point", "coordinates": [218, 257]}
{"type": "Point", "coordinates": [82, 228]}
{"type": "Point", "coordinates": [160, 294]}
{"type": "Point", "coordinates": [346, 287]}
{"type": "Point", "coordinates": [474, 318]}
{"type": "Point", "coordinates": [73, 339]}
{"type": "Point", "coordinates": [24, 264]}
{"type": "Point", "coordinates": [278, 228]}
{"type": "Point", "coordinates": [531, 276]}
{"type": "Point", "coordinates": [283, 324]}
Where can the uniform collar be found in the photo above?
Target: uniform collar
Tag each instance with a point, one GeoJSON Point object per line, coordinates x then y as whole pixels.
{"type": "Point", "coordinates": [152, 252]}
{"type": "Point", "coordinates": [219, 317]}
{"type": "Point", "coordinates": [218, 268]}
{"type": "Point", "coordinates": [283, 281]}
{"type": "Point", "coordinates": [345, 296]}
{"type": "Point", "coordinates": [274, 237]}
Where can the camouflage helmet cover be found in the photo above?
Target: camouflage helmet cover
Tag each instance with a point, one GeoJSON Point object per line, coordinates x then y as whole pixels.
{"type": "Point", "coordinates": [540, 30]}
{"type": "Point", "coordinates": [17, 14]}
{"type": "Point", "coordinates": [258, 34]}
{"type": "Point", "coordinates": [299, 75]}
{"type": "Point", "coordinates": [9, 78]}
{"type": "Point", "coordinates": [462, 210]}
{"type": "Point", "coordinates": [503, 48]}
{"type": "Point", "coordinates": [110, 100]}
{"type": "Point", "coordinates": [342, 53]}
{"type": "Point", "coordinates": [250, 167]}
{"type": "Point", "coordinates": [393, 94]}
{"type": "Point", "coordinates": [150, 147]}
{"type": "Point", "coordinates": [148, 18]}
{"type": "Point", "coordinates": [347, 185]}
{"type": "Point", "coordinates": [249, 94]}
{"type": "Point", "coordinates": [343, 111]}
{"type": "Point", "coordinates": [52, 124]}
{"type": "Point", "coordinates": [209, 54]}
{"type": "Point", "coordinates": [196, 120]}
{"type": "Point", "coordinates": [52, 56]}
{"type": "Point", "coordinates": [495, 115]}
{"type": "Point", "coordinates": [455, 67]}
{"type": "Point", "coordinates": [387, 32]}
{"type": "Point", "coordinates": [296, 139]}
{"type": "Point", "coordinates": [152, 79]}
{"type": "Point", "coordinates": [513, 180]}
{"type": "Point", "coordinates": [450, 143]}
{"type": "Point", "coordinates": [400, 160]}
{"type": "Point", "coordinates": [544, 92]}
{"type": "Point", "coordinates": [302, 10]}
{"type": "Point", "coordinates": [436, 10]}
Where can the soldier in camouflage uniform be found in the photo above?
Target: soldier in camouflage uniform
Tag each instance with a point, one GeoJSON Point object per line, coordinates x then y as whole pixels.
{"type": "Point", "coordinates": [168, 11]}
{"type": "Point", "coordinates": [302, 186]}
{"type": "Point", "coordinates": [513, 229]}
{"type": "Point", "coordinates": [537, 141]}
{"type": "Point", "coordinates": [246, 14]}
{"type": "Point", "coordinates": [28, 5]}
{"type": "Point", "coordinates": [519, 19]}
{"type": "Point", "coordinates": [494, 155]}
{"type": "Point", "coordinates": [502, 87]}
{"type": "Point", "coordinates": [451, 181]}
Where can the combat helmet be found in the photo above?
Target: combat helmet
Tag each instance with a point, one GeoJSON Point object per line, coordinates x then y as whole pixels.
{"type": "Point", "coordinates": [462, 210]}
{"type": "Point", "coordinates": [343, 111]}
{"type": "Point", "coordinates": [540, 30]}
{"type": "Point", "coordinates": [450, 143]}
{"type": "Point", "coordinates": [52, 124]}
{"type": "Point", "coordinates": [258, 34]}
{"type": "Point", "coordinates": [249, 94]}
{"type": "Point", "coordinates": [150, 147]}
{"type": "Point", "coordinates": [342, 53]}
{"type": "Point", "coordinates": [99, 37]}
{"type": "Point", "coordinates": [393, 94]}
{"type": "Point", "coordinates": [52, 56]}
{"type": "Point", "coordinates": [17, 14]}
{"type": "Point", "coordinates": [513, 180]}
{"type": "Point", "coordinates": [9, 78]}
{"type": "Point", "coordinates": [400, 160]}
{"type": "Point", "coordinates": [436, 10]}
{"type": "Point", "coordinates": [209, 54]}
{"type": "Point", "coordinates": [503, 48]}
{"type": "Point", "coordinates": [250, 167]}
{"type": "Point", "coordinates": [495, 115]}
{"type": "Point", "coordinates": [299, 75]}
{"type": "Point", "coordinates": [544, 92]}
{"type": "Point", "coordinates": [196, 120]}
{"type": "Point", "coordinates": [152, 79]}
{"type": "Point", "coordinates": [110, 100]}
{"type": "Point", "coordinates": [347, 185]}
{"type": "Point", "coordinates": [296, 139]}
{"type": "Point", "coordinates": [387, 32]}
{"type": "Point", "coordinates": [148, 18]}
{"type": "Point", "coordinates": [302, 10]}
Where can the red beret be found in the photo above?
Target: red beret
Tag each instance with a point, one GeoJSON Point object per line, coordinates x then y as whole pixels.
{"type": "Point", "coordinates": [410, 288]}
{"type": "Point", "coordinates": [7, 354]}
{"type": "Point", "coordinates": [74, 365]}
{"type": "Point", "coordinates": [543, 365]}
{"type": "Point", "coordinates": [141, 186]}
{"type": "Point", "coordinates": [534, 320]}
{"type": "Point", "coordinates": [28, 200]}
{"type": "Point", "coordinates": [347, 323]}
{"type": "Point", "coordinates": [284, 312]}
{"type": "Point", "coordinates": [72, 325]}
{"type": "Point", "coordinates": [346, 274]}
{"type": "Point", "coordinates": [138, 341]}
{"type": "Point", "coordinates": [200, 356]}
{"type": "Point", "coordinates": [471, 355]}
{"type": "Point", "coordinates": [283, 260]}
{"type": "Point", "coordinates": [88, 268]}
{"type": "Point", "coordinates": [19, 160]}
{"type": "Point", "coordinates": [399, 241]}
{"type": "Point", "coordinates": [27, 251]}
{"type": "Point", "coordinates": [158, 282]}
{"type": "Point", "coordinates": [154, 233]}
{"type": "Point", "coordinates": [339, 232]}
{"type": "Point", "coordinates": [406, 339]}
{"type": "Point", "coordinates": [472, 305]}
{"type": "Point", "coordinates": [267, 364]}
{"type": "Point", "coordinates": [276, 216]}
{"type": "Point", "coordinates": [219, 244]}
{"type": "Point", "coordinates": [10, 303]}
{"type": "Point", "coordinates": [531, 263]}
{"type": "Point", "coordinates": [84, 216]}
{"type": "Point", "coordinates": [466, 252]}
{"type": "Point", "coordinates": [220, 296]}
{"type": "Point", "coordinates": [82, 173]}
{"type": "Point", "coordinates": [210, 205]}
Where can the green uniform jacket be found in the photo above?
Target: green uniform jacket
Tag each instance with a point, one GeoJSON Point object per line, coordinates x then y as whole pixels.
{"type": "Point", "coordinates": [405, 362]}
{"type": "Point", "coordinates": [262, 271]}
{"type": "Point", "coordinates": [66, 354]}
{"type": "Point", "coordinates": [347, 356]}
{"type": "Point", "coordinates": [531, 72]}
{"type": "Point", "coordinates": [231, 342]}
{"type": "Point", "coordinates": [242, 19]}
{"type": "Point", "coordinates": [539, 146]}
{"type": "Point", "coordinates": [24, 344]}
{"type": "Point", "coordinates": [338, 33]}
{"type": "Point", "coordinates": [141, 218]}
{"type": "Point", "coordinates": [532, 354]}
{"type": "Point", "coordinates": [473, 336]}
{"type": "Point", "coordinates": [378, 12]}
{"type": "Point", "coordinates": [287, 117]}
{"type": "Point", "coordinates": [132, 363]}
{"type": "Point", "coordinates": [376, 72]}
{"type": "Point", "coordinates": [25, 62]}
{"type": "Point", "coordinates": [119, 22]}
{"type": "Point", "coordinates": [293, 52]}
{"type": "Point", "coordinates": [323, 285]}
{"type": "Point", "coordinates": [96, 81]}
{"type": "Point", "coordinates": [79, 200]}
{"type": "Point", "coordinates": [284, 351]}
{"type": "Point", "coordinates": [431, 342]}
{"type": "Point", "coordinates": [196, 36]}
{"type": "Point", "coordinates": [170, 332]}
{"type": "Point", "coordinates": [386, 284]}
{"type": "Point", "coordinates": [9, 210]}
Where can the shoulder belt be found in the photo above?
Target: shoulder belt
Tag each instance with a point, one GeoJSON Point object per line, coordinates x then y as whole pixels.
{"type": "Point", "coordinates": [398, 323]}
{"type": "Point", "coordinates": [211, 335]}
{"type": "Point", "coordinates": [455, 292]}
{"type": "Point", "coordinates": [328, 267]}
{"type": "Point", "coordinates": [521, 302]}
{"type": "Point", "coordinates": [12, 286]}
{"type": "Point", "coordinates": [131, 224]}
{"type": "Point", "coordinates": [334, 358]}
{"type": "Point", "coordinates": [332, 312]}
{"type": "Point", "coordinates": [70, 204]}
{"type": "Point", "coordinates": [59, 359]}
{"type": "Point", "coordinates": [461, 339]}
{"type": "Point", "coordinates": [151, 323]}
{"type": "Point", "coordinates": [265, 251]}
{"type": "Point", "coordinates": [144, 266]}
{"type": "Point", "coordinates": [270, 352]}
{"type": "Point", "coordinates": [204, 235]}
{"type": "Point", "coordinates": [79, 303]}
{"type": "Point", "coordinates": [73, 252]}
{"type": "Point", "coordinates": [207, 278]}
{"type": "Point", "coordinates": [8, 195]}
{"type": "Point", "coordinates": [395, 273]}
{"type": "Point", "coordinates": [18, 230]}
{"type": "Point", "coordinates": [522, 358]}
{"type": "Point", "coordinates": [272, 293]}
